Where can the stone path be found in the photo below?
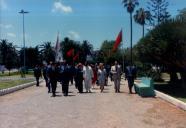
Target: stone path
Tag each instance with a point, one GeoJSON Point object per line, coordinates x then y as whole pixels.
{"type": "Point", "coordinates": [33, 107]}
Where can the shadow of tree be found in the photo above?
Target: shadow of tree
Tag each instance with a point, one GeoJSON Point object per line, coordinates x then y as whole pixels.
{"type": "Point", "coordinates": [174, 90]}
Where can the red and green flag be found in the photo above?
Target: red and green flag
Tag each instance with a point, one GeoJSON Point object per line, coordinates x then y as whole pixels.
{"type": "Point", "coordinates": [76, 57]}
{"type": "Point", "coordinates": [117, 41]}
{"type": "Point", "coordinates": [70, 52]}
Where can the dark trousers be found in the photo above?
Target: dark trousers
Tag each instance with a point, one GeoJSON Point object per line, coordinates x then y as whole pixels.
{"type": "Point", "coordinates": [130, 83]}
{"type": "Point", "coordinates": [65, 89]}
{"type": "Point", "coordinates": [71, 80]}
{"type": "Point", "coordinates": [37, 81]}
{"type": "Point", "coordinates": [49, 86]}
{"type": "Point", "coordinates": [76, 83]}
{"type": "Point", "coordinates": [46, 81]}
{"type": "Point", "coordinates": [80, 86]}
{"type": "Point", "coordinates": [53, 85]}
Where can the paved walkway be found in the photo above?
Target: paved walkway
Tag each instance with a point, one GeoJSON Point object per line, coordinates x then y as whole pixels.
{"type": "Point", "coordinates": [35, 108]}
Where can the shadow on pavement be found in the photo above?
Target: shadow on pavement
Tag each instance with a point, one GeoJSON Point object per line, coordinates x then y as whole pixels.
{"type": "Point", "coordinates": [70, 95]}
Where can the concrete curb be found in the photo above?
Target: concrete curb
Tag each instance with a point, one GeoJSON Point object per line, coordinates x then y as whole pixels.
{"type": "Point", "coordinates": [17, 78]}
{"type": "Point", "coordinates": [16, 88]}
{"type": "Point", "coordinates": [174, 101]}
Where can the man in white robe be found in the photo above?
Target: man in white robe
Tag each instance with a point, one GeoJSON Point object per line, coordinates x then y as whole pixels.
{"type": "Point", "coordinates": [88, 76]}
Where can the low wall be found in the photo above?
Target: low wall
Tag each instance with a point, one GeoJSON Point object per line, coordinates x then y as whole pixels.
{"type": "Point", "coordinates": [16, 88]}
{"type": "Point", "coordinates": [172, 100]}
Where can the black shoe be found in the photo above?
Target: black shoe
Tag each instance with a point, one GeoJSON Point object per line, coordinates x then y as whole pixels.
{"type": "Point", "coordinates": [54, 95]}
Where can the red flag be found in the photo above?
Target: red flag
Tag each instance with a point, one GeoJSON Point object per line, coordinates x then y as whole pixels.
{"type": "Point", "coordinates": [76, 56]}
{"type": "Point", "coordinates": [70, 52]}
{"type": "Point", "coordinates": [118, 41]}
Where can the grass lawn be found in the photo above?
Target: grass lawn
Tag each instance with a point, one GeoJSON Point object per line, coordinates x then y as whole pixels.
{"type": "Point", "coordinates": [6, 74]}
{"type": "Point", "coordinates": [11, 83]}
{"type": "Point", "coordinates": [173, 90]}
{"type": "Point", "coordinates": [15, 75]}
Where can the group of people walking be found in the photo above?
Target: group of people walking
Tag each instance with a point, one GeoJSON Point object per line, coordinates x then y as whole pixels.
{"type": "Point", "coordinates": [88, 74]}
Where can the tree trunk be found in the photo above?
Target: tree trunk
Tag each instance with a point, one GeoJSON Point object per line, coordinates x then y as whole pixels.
{"type": "Point", "coordinates": [143, 30]}
{"type": "Point", "coordinates": [173, 77]}
{"type": "Point", "coordinates": [131, 38]}
{"type": "Point", "coordinates": [183, 80]}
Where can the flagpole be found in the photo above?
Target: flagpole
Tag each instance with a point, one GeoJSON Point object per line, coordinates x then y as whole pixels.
{"type": "Point", "coordinates": [123, 51]}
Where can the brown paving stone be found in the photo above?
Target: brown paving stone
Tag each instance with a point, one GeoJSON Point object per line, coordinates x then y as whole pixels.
{"type": "Point", "coordinates": [33, 107]}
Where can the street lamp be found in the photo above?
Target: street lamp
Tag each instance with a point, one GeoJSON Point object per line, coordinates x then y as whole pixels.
{"type": "Point", "coordinates": [24, 61]}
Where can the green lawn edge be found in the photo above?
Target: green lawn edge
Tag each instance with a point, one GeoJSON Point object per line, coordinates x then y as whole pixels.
{"type": "Point", "coordinates": [12, 83]}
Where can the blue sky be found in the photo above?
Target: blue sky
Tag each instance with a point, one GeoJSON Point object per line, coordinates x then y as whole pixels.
{"type": "Point", "coordinates": [92, 20]}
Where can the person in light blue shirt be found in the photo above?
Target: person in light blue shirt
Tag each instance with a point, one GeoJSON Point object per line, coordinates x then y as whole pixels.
{"type": "Point", "coordinates": [102, 75]}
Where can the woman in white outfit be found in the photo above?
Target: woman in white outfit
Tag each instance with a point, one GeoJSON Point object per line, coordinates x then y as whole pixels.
{"type": "Point", "coordinates": [88, 76]}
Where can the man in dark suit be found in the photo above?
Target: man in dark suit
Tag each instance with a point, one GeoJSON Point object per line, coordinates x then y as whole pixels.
{"type": "Point", "coordinates": [65, 76]}
{"type": "Point", "coordinates": [37, 74]}
{"type": "Point", "coordinates": [45, 74]}
{"type": "Point", "coordinates": [130, 75]}
{"type": "Point", "coordinates": [79, 78]}
{"type": "Point", "coordinates": [53, 76]}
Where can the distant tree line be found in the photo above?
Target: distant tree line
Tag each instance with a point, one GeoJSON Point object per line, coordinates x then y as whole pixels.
{"type": "Point", "coordinates": [10, 57]}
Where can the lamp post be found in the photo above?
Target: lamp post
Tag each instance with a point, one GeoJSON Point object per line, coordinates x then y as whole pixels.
{"type": "Point", "coordinates": [24, 59]}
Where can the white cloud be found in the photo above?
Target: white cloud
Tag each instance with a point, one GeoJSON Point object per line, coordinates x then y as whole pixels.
{"type": "Point", "coordinates": [73, 35]}
{"type": "Point", "coordinates": [3, 5]}
{"type": "Point", "coordinates": [149, 27]}
{"type": "Point", "coordinates": [11, 34]}
{"type": "Point", "coordinates": [60, 7]}
{"type": "Point", "coordinates": [6, 26]}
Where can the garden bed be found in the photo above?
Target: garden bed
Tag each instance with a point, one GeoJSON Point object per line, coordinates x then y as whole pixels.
{"type": "Point", "coordinates": [173, 90]}
{"type": "Point", "coordinates": [12, 83]}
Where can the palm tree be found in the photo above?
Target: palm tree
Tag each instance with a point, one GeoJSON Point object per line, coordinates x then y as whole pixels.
{"type": "Point", "coordinates": [8, 54]}
{"type": "Point", "coordinates": [11, 57]}
{"type": "Point", "coordinates": [86, 49]}
{"type": "Point", "coordinates": [47, 52]}
{"type": "Point", "coordinates": [130, 5]}
{"type": "Point", "coordinates": [3, 50]}
{"type": "Point", "coordinates": [141, 16]}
